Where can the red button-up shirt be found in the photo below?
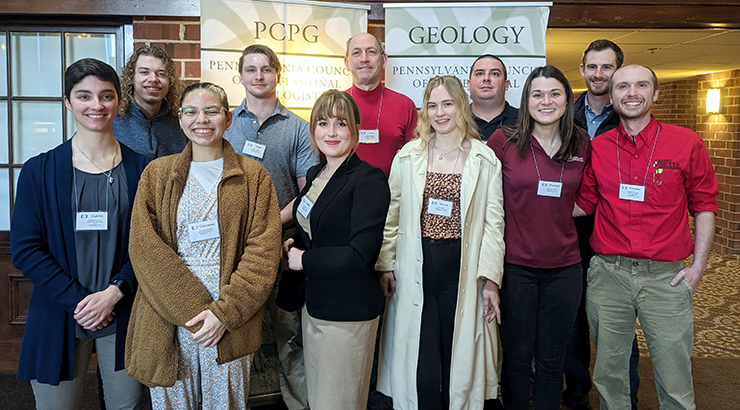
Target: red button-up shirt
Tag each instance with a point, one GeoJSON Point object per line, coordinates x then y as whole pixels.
{"type": "Point", "coordinates": [680, 178]}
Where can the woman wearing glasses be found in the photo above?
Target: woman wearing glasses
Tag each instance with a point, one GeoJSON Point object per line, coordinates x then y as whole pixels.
{"type": "Point", "coordinates": [205, 247]}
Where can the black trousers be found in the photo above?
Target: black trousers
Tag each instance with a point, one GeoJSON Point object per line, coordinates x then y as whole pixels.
{"type": "Point", "coordinates": [538, 308]}
{"type": "Point", "coordinates": [440, 275]}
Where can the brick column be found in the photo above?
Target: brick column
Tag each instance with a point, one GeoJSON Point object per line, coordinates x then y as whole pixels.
{"type": "Point", "coordinates": [179, 36]}
{"type": "Point", "coordinates": [720, 134]}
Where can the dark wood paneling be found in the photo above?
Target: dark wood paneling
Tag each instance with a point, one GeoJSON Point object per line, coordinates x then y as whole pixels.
{"type": "Point", "coordinates": [569, 13]}
{"type": "Point", "coordinates": [644, 16]}
{"type": "Point", "coordinates": [183, 8]}
{"type": "Point", "coordinates": [14, 298]}
{"type": "Point", "coordinates": [19, 298]}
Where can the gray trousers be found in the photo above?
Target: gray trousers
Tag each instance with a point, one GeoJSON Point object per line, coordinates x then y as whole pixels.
{"type": "Point", "coordinates": [120, 390]}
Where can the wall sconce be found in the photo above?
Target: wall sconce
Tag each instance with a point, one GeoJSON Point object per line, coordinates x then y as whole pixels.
{"type": "Point", "coordinates": [714, 105]}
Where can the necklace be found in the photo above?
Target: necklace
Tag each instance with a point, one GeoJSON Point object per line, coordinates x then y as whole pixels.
{"type": "Point", "coordinates": [112, 163]}
{"type": "Point", "coordinates": [442, 155]}
{"type": "Point", "coordinates": [554, 148]}
{"type": "Point", "coordinates": [326, 172]}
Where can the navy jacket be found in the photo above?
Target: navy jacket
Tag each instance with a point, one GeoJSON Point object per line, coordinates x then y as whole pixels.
{"type": "Point", "coordinates": [42, 243]}
{"type": "Point", "coordinates": [347, 223]}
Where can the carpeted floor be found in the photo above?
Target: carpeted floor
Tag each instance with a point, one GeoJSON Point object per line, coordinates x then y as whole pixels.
{"type": "Point", "coordinates": [716, 361]}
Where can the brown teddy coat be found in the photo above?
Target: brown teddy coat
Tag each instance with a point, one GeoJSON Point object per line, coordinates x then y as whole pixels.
{"type": "Point", "coordinates": [169, 294]}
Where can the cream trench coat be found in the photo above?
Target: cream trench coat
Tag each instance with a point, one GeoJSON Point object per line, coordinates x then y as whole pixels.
{"type": "Point", "coordinates": [475, 343]}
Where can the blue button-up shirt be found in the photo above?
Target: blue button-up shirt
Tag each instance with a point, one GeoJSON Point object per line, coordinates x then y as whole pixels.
{"type": "Point", "coordinates": [593, 121]}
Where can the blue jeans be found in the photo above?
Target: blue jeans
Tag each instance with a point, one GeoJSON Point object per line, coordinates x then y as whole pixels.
{"type": "Point", "coordinates": [578, 355]}
{"type": "Point", "coordinates": [538, 307]}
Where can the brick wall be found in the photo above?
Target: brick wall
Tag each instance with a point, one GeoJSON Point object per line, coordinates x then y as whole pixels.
{"type": "Point", "coordinates": [721, 135]}
{"type": "Point", "coordinates": [677, 103]}
{"type": "Point", "coordinates": [179, 36]}
{"type": "Point", "coordinates": [683, 103]}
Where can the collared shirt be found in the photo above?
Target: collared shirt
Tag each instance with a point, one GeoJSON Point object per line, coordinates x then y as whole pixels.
{"type": "Point", "coordinates": [286, 138]}
{"type": "Point", "coordinates": [486, 128]}
{"type": "Point", "coordinates": [680, 177]}
{"type": "Point", "coordinates": [539, 230]}
{"type": "Point", "coordinates": [593, 121]}
{"type": "Point", "coordinates": [394, 117]}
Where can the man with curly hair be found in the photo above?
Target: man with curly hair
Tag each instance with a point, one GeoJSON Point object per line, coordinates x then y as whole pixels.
{"type": "Point", "coordinates": [147, 120]}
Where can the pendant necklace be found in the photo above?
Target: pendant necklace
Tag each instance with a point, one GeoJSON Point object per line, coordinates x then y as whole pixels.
{"type": "Point", "coordinates": [108, 174]}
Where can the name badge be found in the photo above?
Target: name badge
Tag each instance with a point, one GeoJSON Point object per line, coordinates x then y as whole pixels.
{"type": "Point", "coordinates": [369, 136]}
{"type": "Point", "coordinates": [200, 231]}
{"type": "Point", "coordinates": [440, 207]}
{"type": "Point", "coordinates": [92, 221]}
{"type": "Point", "coordinates": [304, 208]}
{"type": "Point", "coordinates": [632, 192]}
{"type": "Point", "coordinates": [549, 188]}
{"type": "Point", "coordinates": [253, 149]}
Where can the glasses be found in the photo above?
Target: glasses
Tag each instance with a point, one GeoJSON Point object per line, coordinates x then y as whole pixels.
{"type": "Point", "coordinates": [192, 112]}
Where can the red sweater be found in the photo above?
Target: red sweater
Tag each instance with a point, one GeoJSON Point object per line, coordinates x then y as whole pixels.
{"type": "Point", "coordinates": [397, 123]}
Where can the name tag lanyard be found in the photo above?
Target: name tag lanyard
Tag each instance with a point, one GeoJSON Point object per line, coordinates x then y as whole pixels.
{"type": "Point", "coordinates": [107, 189]}
{"type": "Point", "coordinates": [647, 170]}
{"type": "Point", "coordinates": [539, 177]}
{"type": "Point", "coordinates": [380, 107]}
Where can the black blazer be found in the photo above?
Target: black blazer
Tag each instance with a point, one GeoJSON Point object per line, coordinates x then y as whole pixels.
{"type": "Point", "coordinates": [347, 224]}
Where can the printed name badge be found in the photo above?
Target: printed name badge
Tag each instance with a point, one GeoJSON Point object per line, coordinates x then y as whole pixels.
{"type": "Point", "coordinates": [369, 136]}
{"type": "Point", "coordinates": [92, 221]}
{"type": "Point", "coordinates": [549, 188]}
{"type": "Point", "coordinates": [253, 149]}
{"type": "Point", "coordinates": [305, 207]}
{"type": "Point", "coordinates": [201, 231]}
{"type": "Point", "coordinates": [440, 207]}
{"type": "Point", "coordinates": [632, 192]}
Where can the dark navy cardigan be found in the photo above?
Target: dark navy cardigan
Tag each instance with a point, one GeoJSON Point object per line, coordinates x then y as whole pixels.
{"type": "Point", "coordinates": [42, 242]}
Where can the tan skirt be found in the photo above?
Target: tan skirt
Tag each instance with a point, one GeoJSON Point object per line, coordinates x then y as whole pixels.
{"type": "Point", "coordinates": [339, 358]}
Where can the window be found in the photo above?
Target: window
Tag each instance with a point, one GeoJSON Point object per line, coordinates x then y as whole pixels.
{"type": "Point", "coordinates": [32, 114]}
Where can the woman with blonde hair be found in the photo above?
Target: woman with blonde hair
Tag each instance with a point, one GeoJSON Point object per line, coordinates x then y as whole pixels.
{"type": "Point", "coordinates": [205, 247]}
{"type": "Point", "coordinates": [442, 261]}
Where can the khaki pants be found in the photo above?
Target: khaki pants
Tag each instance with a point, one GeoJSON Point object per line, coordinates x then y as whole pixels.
{"type": "Point", "coordinates": [622, 289]}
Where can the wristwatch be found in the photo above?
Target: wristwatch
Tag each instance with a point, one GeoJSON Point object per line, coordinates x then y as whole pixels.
{"type": "Point", "coordinates": [122, 286]}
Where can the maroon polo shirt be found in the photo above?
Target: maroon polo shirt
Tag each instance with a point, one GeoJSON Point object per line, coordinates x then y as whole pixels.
{"type": "Point", "coordinates": [539, 230]}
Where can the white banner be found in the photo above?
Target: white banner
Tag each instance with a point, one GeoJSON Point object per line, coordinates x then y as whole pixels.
{"type": "Point", "coordinates": [423, 41]}
{"type": "Point", "coordinates": [309, 38]}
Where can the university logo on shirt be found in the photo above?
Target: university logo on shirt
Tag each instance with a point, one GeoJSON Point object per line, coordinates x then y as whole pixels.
{"type": "Point", "coordinates": [666, 164]}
